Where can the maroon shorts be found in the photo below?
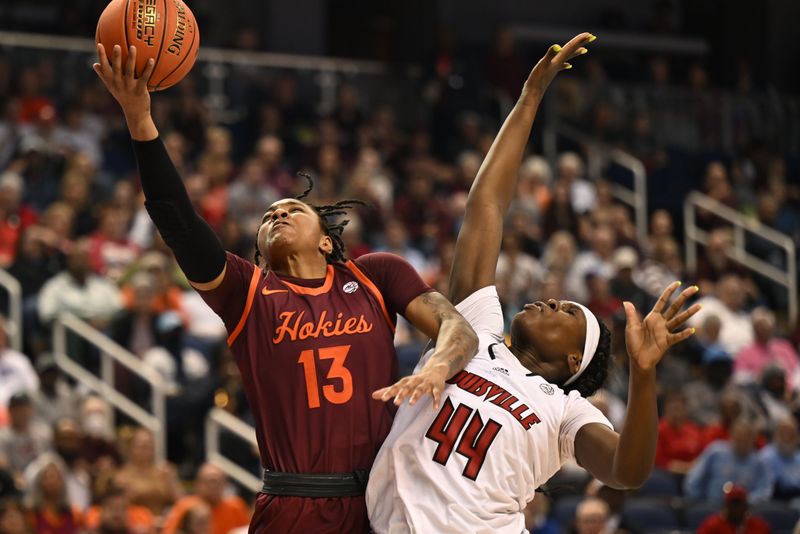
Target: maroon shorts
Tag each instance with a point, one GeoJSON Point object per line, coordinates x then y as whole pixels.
{"type": "Point", "coordinates": [301, 515]}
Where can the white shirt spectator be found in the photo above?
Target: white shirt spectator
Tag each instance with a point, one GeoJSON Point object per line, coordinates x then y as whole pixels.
{"type": "Point", "coordinates": [16, 375]}
{"type": "Point", "coordinates": [585, 263]}
{"type": "Point", "coordinates": [737, 328]}
{"type": "Point", "coordinates": [97, 298]}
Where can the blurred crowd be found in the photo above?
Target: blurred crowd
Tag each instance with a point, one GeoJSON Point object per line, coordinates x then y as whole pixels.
{"type": "Point", "coordinates": [74, 232]}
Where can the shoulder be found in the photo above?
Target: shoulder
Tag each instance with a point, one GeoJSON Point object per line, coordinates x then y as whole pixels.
{"type": "Point", "coordinates": [379, 261]}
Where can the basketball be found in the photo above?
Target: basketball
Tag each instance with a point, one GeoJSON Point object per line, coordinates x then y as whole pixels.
{"type": "Point", "coordinates": [164, 30]}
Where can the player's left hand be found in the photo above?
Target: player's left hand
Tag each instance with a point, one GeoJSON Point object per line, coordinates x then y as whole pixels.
{"type": "Point", "coordinates": [430, 380]}
{"type": "Point", "coordinates": [648, 340]}
{"type": "Point", "coordinates": [554, 61]}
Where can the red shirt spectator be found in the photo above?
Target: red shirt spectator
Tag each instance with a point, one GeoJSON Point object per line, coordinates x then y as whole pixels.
{"type": "Point", "coordinates": [679, 440]}
{"type": "Point", "coordinates": [734, 517]}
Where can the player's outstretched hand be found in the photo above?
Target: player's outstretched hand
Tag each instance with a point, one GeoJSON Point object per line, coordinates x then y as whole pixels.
{"type": "Point", "coordinates": [648, 340]}
{"type": "Point", "coordinates": [554, 61]}
{"type": "Point", "coordinates": [429, 381]}
{"type": "Point", "coordinates": [121, 81]}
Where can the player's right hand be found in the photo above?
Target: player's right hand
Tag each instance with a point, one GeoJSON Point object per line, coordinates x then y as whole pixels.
{"type": "Point", "coordinates": [429, 381]}
{"type": "Point", "coordinates": [121, 81]}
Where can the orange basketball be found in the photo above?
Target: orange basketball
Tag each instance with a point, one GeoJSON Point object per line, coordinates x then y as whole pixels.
{"type": "Point", "coordinates": [164, 30]}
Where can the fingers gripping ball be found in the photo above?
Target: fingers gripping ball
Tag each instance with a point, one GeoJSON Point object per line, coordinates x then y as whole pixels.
{"type": "Point", "coordinates": [164, 30]}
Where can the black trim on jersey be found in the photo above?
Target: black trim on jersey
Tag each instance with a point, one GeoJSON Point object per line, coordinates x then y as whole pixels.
{"type": "Point", "coordinates": [531, 374]}
{"type": "Point", "coordinates": [491, 351]}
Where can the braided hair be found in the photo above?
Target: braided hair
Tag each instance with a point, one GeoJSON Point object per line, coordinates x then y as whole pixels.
{"type": "Point", "coordinates": [595, 374]}
{"type": "Point", "coordinates": [327, 221]}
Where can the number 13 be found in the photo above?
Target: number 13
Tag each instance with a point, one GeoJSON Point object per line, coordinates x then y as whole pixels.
{"type": "Point", "coordinates": [337, 370]}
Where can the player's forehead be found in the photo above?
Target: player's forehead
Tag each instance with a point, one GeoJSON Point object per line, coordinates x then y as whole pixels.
{"type": "Point", "coordinates": [286, 203]}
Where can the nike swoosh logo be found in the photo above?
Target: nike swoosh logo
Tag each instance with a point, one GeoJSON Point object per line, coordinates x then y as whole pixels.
{"type": "Point", "coordinates": [266, 291]}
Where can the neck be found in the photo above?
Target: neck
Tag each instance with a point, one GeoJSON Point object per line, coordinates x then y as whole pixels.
{"type": "Point", "coordinates": [527, 357]}
{"type": "Point", "coordinates": [300, 266]}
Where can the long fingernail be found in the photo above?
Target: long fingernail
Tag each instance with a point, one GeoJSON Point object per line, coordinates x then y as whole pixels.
{"type": "Point", "coordinates": [556, 48]}
{"type": "Point", "coordinates": [591, 38]}
{"type": "Point", "coordinates": [679, 283]}
{"type": "Point", "coordinates": [567, 66]}
{"type": "Point", "coordinates": [696, 288]}
{"type": "Point", "coordinates": [582, 50]}
{"type": "Point", "coordinates": [694, 330]}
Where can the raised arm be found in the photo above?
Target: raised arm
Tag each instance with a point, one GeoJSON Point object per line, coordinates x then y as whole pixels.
{"type": "Point", "coordinates": [478, 245]}
{"type": "Point", "coordinates": [197, 248]}
{"type": "Point", "coordinates": [625, 460]}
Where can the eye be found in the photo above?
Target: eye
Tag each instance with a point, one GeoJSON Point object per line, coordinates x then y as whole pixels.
{"type": "Point", "coordinates": [295, 209]}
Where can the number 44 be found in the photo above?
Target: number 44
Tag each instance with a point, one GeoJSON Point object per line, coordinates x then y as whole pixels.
{"type": "Point", "coordinates": [474, 442]}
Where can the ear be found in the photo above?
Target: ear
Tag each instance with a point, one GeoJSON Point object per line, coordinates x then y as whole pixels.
{"type": "Point", "coordinates": [326, 245]}
{"type": "Point", "coordinates": [574, 362]}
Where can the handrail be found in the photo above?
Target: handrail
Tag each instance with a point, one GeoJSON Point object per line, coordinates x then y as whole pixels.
{"type": "Point", "coordinates": [111, 353]}
{"type": "Point", "coordinates": [14, 324]}
{"type": "Point", "coordinates": [636, 198]}
{"type": "Point", "coordinates": [216, 420]}
{"type": "Point", "coordinates": [741, 224]}
{"type": "Point", "coordinates": [211, 54]}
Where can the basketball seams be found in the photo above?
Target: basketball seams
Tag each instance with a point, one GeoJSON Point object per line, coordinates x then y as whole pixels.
{"type": "Point", "coordinates": [188, 51]}
{"type": "Point", "coordinates": [161, 45]}
{"type": "Point", "coordinates": [125, 23]}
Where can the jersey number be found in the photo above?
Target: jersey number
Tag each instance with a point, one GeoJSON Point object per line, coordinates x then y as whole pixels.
{"type": "Point", "coordinates": [474, 442]}
{"type": "Point", "coordinates": [337, 370]}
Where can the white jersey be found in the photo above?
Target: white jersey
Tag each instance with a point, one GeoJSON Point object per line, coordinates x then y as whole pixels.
{"type": "Point", "coordinates": [473, 466]}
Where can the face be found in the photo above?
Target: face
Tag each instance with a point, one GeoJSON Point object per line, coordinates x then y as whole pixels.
{"type": "Point", "coordinates": [52, 483]}
{"type": "Point", "coordinates": [555, 331]}
{"type": "Point", "coordinates": [786, 436]}
{"type": "Point", "coordinates": [289, 227]}
{"type": "Point", "coordinates": [675, 409]}
{"type": "Point", "coordinates": [591, 517]}
{"type": "Point", "coordinates": [210, 484]}
{"type": "Point", "coordinates": [743, 438]}
{"type": "Point", "coordinates": [142, 447]}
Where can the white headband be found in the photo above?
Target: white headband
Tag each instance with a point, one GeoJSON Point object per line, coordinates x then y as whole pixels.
{"type": "Point", "coordinates": [590, 345]}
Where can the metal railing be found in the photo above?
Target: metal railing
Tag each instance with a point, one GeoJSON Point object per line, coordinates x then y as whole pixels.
{"type": "Point", "coordinates": [112, 353]}
{"type": "Point", "coordinates": [14, 323]}
{"type": "Point", "coordinates": [597, 157]}
{"type": "Point", "coordinates": [738, 252]}
{"type": "Point", "coordinates": [218, 420]}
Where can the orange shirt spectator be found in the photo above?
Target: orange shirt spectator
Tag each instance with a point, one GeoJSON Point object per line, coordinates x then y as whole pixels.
{"type": "Point", "coordinates": [138, 519]}
{"type": "Point", "coordinates": [227, 513]}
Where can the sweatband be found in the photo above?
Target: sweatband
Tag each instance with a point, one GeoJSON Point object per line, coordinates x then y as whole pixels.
{"type": "Point", "coordinates": [590, 345]}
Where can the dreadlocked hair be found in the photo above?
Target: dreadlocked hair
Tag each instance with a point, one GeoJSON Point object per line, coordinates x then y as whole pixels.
{"type": "Point", "coordinates": [595, 374]}
{"type": "Point", "coordinates": [328, 215]}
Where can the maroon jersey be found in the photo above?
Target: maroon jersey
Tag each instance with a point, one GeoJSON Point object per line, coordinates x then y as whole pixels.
{"type": "Point", "coordinates": [311, 352]}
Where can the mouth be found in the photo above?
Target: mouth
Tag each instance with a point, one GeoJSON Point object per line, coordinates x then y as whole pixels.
{"type": "Point", "coordinates": [277, 225]}
{"type": "Point", "coordinates": [538, 306]}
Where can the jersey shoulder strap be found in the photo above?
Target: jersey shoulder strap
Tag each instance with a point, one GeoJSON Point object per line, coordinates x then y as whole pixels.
{"type": "Point", "coordinates": [371, 288]}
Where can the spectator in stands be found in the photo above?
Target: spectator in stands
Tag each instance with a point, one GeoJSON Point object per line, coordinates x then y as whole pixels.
{"type": "Point", "coordinates": [766, 349]}
{"type": "Point", "coordinates": [718, 187]}
{"type": "Point", "coordinates": [560, 216]}
{"type": "Point", "coordinates": [601, 300]}
{"type": "Point", "coordinates": [98, 448]}
{"type": "Point", "coordinates": [537, 516]}
{"type": "Point", "coordinates": [595, 260]}
{"type": "Point", "coordinates": [775, 401]}
{"type": "Point", "coordinates": [49, 502]}
{"type": "Point", "coordinates": [16, 372]}
{"type": "Point", "coordinates": [196, 520]}
{"type": "Point", "coordinates": [68, 441]}
{"type": "Point", "coordinates": [533, 187]}
{"type": "Point", "coordinates": [591, 517]}
{"type": "Point", "coordinates": [734, 516]}
{"type": "Point", "coordinates": [425, 217]}
{"type": "Point", "coordinates": [582, 193]}
{"type": "Point", "coordinates": [661, 228]}
{"type": "Point", "coordinates": [715, 262]}
{"type": "Point", "coordinates": [249, 194]}
{"type": "Point", "coordinates": [227, 512]}
{"type": "Point", "coordinates": [149, 484]}
{"type": "Point", "coordinates": [25, 438]}
{"type": "Point", "coordinates": [79, 291]}
{"type": "Point", "coordinates": [397, 242]}
{"type": "Point", "coordinates": [731, 405]}
{"type": "Point", "coordinates": [15, 216]}
{"type": "Point", "coordinates": [55, 398]}
{"type": "Point", "coordinates": [116, 515]}
{"type": "Point", "coordinates": [680, 441]}
{"type": "Point", "coordinates": [13, 519]}
{"type": "Point", "coordinates": [111, 251]}
{"type": "Point", "coordinates": [783, 459]}
{"type": "Point", "coordinates": [625, 261]}
{"type": "Point", "coordinates": [664, 264]}
{"type": "Point", "coordinates": [518, 275]}
{"type": "Point", "coordinates": [727, 303]}
{"type": "Point", "coordinates": [735, 461]}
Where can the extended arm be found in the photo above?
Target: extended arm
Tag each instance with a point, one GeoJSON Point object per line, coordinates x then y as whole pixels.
{"type": "Point", "coordinates": [478, 245]}
{"type": "Point", "coordinates": [197, 249]}
{"type": "Point", "coordinates": [625, 460]}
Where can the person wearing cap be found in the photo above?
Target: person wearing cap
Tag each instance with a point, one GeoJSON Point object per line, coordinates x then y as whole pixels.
{"type": "Point", "coordinates": [471, 460]}
{"type": "Point", "coordinates": [625, 284]}
{"type": "Point", "coordinates": [25, 438]}
{"type": "Point", "coordinates": [734, 516]}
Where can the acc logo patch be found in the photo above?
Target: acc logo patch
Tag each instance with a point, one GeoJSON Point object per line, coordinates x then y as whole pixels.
{"type": "Point", "coordinates": [350, 287]}
{"type": "Point", "coordinates": [547, 388]}
{"type": "Point", "coordinates": [501, 370]}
